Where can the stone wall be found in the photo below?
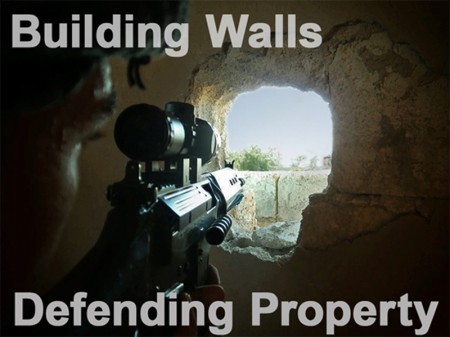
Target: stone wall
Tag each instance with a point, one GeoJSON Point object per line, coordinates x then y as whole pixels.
{"type": "Point", "coordinates": [280, 195]}
{"type": "Point", "coordinates": [381, 94]}
{"type": "Point", "coordinates": [267, 221]}
{"type": "Point", "coordinates": [381, 228]}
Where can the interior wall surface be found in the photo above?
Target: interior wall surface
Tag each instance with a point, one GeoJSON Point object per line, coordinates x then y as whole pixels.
{"type": "Point", "coordinates": [380, 230]}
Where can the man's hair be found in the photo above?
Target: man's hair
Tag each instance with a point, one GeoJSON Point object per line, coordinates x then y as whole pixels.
{"type": "Point", "coordinates": [32, 78]}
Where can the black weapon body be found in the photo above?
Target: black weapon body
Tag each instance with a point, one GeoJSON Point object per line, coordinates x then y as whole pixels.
{"type": "Point", "coordinates": [158, 234]}
{"type": "Point", "coordinates": [186, 222]}
{"type": "Point", "coordinates": [176, 226]}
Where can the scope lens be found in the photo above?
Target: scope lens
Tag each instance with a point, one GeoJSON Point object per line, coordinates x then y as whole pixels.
{"type": "Point", "coordinates": [142, 132]}
{"type": "Point", "coordinates": [145, 132]}
{"type": "Point", "coordinates": [205, 144]}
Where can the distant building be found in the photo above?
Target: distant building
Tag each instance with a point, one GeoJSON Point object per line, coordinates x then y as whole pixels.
{"type": "Point", "coordinates": [326, 162]}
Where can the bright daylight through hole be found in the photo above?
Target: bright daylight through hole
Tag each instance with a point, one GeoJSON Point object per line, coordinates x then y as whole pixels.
{"type": "Point", "coordinates": [281, 142]}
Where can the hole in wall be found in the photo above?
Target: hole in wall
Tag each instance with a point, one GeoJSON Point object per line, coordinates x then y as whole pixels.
{"type": "Point", "coordinates": [345, 78]}
{"type": "Point", "coordinates": [281, 141]}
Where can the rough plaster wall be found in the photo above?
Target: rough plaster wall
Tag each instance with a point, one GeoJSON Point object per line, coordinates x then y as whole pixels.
{"type": "Point", "coordinates": [408, 254]}
{"type": "Point", "coordinates": [389, 119]}
{"type": "Point", "coordinates": [421, 25]}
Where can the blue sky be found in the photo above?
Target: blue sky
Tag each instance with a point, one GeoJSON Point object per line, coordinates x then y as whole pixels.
{"type": "Point", "coordinates": [292, 121]}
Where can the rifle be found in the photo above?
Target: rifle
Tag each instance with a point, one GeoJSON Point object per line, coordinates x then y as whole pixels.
{"type": "Point", "coordinates": [158, 235]}
{"type": "Point", "coordinates": [183, 211]}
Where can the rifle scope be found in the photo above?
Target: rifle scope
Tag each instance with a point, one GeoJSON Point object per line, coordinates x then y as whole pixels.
{"type": "Point", "coordinates": [145, 132]}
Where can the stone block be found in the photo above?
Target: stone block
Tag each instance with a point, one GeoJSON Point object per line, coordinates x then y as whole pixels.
{"type": "Point", "coordinates": [264, 186]}
{"type": "Point", "coordinates": [244, 214]}
{"type": "Point", "coordinates": [294, 189]}
{"type": "Point", "coordinates": [279, 235]}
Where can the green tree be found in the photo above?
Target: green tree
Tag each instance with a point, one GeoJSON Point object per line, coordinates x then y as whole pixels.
{"type": "Point", "coordinates": [297, 162]}
{"type": "Point", "coordinates": [254, 159]}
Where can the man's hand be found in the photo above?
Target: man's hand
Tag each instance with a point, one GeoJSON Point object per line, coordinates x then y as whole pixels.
{"type": "Point", "coordinates": [206, 294]}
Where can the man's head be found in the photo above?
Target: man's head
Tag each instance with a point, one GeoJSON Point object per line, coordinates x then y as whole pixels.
{"type": "Point", "coordinates": [53, 100]}
{"type": "Point", "coordinates": [38, 76]}
{"type": "Point", "coordinates": [39, 175]}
